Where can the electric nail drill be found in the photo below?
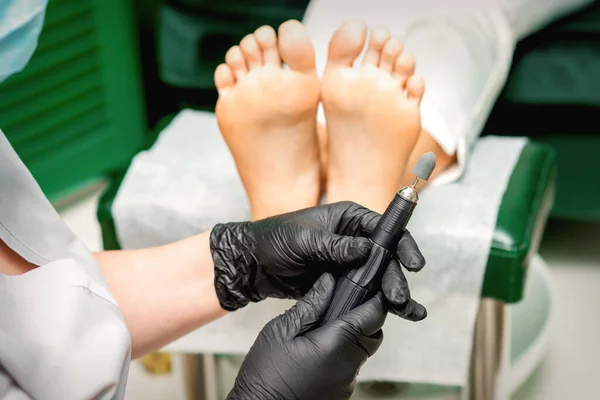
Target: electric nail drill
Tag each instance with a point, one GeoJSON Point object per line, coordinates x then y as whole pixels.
{"type": "Point", "coordinates": [359, 285]}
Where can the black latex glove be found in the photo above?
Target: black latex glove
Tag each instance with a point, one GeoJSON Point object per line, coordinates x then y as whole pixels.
{"type": "Point", "coordinates": [290, 360]}
{"type": "Point", "coordinates": [283, 256]}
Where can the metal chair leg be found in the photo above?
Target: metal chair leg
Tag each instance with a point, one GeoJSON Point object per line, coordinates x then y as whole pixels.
{"type": "Point", "coordinates": [198, 373]}
{"type": "Point", "coordinates": [490, 358]}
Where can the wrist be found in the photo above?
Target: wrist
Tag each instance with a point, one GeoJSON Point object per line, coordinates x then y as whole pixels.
{"type": "Point", "coordinates": [235, 265]}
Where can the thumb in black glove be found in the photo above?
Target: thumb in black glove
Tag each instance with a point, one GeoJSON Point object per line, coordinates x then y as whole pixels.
{"type": "Point", "coordinates": [290, 360]}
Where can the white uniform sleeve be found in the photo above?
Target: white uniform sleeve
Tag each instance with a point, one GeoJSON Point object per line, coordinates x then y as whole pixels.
{"type": "Point", "coordinates": [465, 61]}
{"type": "Point", "coordinates": [61, 336]}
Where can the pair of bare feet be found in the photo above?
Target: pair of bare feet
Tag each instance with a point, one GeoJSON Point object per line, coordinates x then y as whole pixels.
{"type": "Point", "coordinates": [267, 115]}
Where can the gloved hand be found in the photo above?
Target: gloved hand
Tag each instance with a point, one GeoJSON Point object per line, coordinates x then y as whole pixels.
{"type": "Point", "coordinates": [290, 360]}
{"type": "Point", "coordinates": [283, 256]}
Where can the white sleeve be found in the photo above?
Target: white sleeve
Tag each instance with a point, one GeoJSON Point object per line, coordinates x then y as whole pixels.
{"type": "Point", "coordinates": [465, 61]}
{"type": "Point", "coordinates": [61, 336]}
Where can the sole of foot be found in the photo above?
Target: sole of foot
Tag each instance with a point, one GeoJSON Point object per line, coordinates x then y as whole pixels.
{"type": "Point", "coordinates": [372, 112]}
{"type": "Point", "coordinates": [267, 115]}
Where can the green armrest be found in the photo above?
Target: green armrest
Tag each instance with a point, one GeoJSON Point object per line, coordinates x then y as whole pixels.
{"type": "Point", "coordinates": [521, 219]}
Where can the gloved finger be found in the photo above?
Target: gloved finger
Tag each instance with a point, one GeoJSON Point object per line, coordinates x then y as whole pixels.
{"type": "Point", "coordinates": [394, 284]}
{"type": "Point", "coordinates": [310, 309]}
{"type": "Point", "coordinates": [365, 323]}
{"type": "Point", "coordinates": [368, 318]}
{"type": "Point", "coordinates": [395, 288]}
{"type": "Point", "coordinates": [342, 249]}
{"type": "Point", "coordinates": [355, 220]}
{"type": "Point", "coordinates": [409, 253]}
{"type": "Point", "coordinates": [410, 311]}
{"type": "Point", "coordinates": [358, 220]}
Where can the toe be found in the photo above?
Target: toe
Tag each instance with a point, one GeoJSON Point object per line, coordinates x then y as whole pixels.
{"type": "Point", "coordinates": [267, 40]}
{"type": "Point", "coordinates": [378, 39]}
{"type": "Point", "coordinates": [295, 46]}
{"type": "Point", "coordinates": [389, 54]}
{"type": "Point", "coordinates": [252, 51]}
{"type": "Point", "coordinates": [415, 87]}
{"type": "Point", "coordinates": [347, 43]}
{"type": "Point", "coordinates": [224, 78]}
{"type": "Point", "coordinates": [405, 67]}
{"type": "Point", "coordinates": [235, 60]}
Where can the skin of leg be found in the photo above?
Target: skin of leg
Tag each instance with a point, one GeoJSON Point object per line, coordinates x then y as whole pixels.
{"type": "Point", "coordinates": [373, 120]}
{"type": "Point", "coordinates": [267, 115]}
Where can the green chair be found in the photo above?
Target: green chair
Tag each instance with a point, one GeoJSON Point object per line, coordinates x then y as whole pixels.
{"type": "Point", "coordinates": [75, 113]}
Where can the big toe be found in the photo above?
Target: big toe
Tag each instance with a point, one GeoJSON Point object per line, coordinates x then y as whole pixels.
{"type": "Point", "coordinates": [295, 46]}
{"type": "Point", "coordinates": [347, 43]}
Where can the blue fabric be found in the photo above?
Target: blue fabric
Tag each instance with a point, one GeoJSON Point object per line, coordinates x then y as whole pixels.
{"type": "Point", "coordinates": [21, 22]}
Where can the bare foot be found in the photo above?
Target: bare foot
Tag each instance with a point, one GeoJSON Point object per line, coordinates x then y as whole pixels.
{"type": "Point", "coordinates": [373, 117]}
{"type": "Point", "coordinates": [267, 115]}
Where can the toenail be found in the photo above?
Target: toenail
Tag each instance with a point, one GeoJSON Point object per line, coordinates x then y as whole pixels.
{"type": "Point", "coordinates": [407, 58]}
{"type": "Point", "coordinates": [265, 34]}
{"type": "Point", "coordinates": [265, 29]}
{"type": "Point", "coordinates": [380, 36]}
{"type": "Point", "coordinates": [391, 50]}
{"type": "Point", "coordinates": [233, 54]}
{"type": "Point", "coordinates": [247, 40]}
{"type": "Point", "coordinates": [355, 23]}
